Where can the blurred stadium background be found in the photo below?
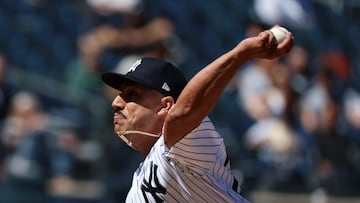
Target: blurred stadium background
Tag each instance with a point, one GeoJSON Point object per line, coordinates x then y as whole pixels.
{"type": "Point", "coordinates": [69, 153]}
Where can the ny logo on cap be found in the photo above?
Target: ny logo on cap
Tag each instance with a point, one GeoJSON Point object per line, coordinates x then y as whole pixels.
{"type": "Point", "coordinates": [135, 65]}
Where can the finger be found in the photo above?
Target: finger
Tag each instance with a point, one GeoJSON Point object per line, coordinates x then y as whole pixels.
{"type": "Point", "coordinates": [271, 40]}
{"type": "Point", "coordinates": [287, 42]}
{"type": "Point", "coordinates": [268, 40]}
{"type": "Point", "coordinates": [285, 46]}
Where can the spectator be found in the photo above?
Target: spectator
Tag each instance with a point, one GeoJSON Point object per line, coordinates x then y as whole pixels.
{"type": "Point", "coordinates": [6, 91]}
{"type": "Point", "coordinates": [138, 33]}
{"type": "Point", "coordinates": [255, 87]}
{"type": "Point", "coordinates": [81, 73]}
{"type": "Point", "coordinates": [6, 94]}
{"type": "Point", "coordinates": [26, 140]}
{"type": "Point", "coordinates": [297, 13]}
{"type": "Point", "coordinates": [25, 116]}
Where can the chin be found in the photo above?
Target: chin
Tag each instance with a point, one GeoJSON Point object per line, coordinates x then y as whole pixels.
{"type": "Point", "coordinates": [117, 128]}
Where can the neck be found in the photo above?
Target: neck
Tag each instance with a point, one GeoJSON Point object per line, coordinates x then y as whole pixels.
{"type": "Point", "coordinates": [143, 145]}
{"type": "Point", "coordinates": [146, 145]}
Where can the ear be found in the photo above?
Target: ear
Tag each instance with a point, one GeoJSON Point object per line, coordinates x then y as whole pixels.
{"type": "Point", "coordinates": [166, 103]}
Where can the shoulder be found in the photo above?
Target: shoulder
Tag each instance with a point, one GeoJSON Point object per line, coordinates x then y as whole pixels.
{"type": "Point", "coordinates": [198, 148]}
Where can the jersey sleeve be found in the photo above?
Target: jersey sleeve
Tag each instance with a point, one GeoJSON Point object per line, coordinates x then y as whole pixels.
{"type": "Point", "coordinates": [198, 150]}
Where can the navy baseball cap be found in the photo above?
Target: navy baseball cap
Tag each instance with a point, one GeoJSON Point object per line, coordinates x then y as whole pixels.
{"type": "Point", "coordinates": [150, 72]}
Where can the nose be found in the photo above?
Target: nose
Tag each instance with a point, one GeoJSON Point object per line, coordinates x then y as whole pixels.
{"type": "Point", "coordinates": [118, 103]}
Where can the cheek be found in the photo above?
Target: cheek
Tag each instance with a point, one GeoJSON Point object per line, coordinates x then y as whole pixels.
{"type": "Point", "coordinates": [143, 118]}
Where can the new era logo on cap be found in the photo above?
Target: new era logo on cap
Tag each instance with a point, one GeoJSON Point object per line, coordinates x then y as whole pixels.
{"type": "Point", "coordinates": [150, 72]}
{"type": "Point", "coordinates": [165, 87]}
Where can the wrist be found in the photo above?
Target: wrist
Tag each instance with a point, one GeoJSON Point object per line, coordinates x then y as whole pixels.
{"type": "Point", "coordinates": [240, 53]}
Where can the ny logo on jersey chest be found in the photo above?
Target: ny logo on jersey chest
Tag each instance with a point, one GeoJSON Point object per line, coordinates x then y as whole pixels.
{"type": "Point", "coordinates": [152, 186]}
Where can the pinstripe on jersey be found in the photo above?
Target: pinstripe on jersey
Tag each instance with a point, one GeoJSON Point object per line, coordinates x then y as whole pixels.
{"type": "Point", "coordinates": [196, 169]}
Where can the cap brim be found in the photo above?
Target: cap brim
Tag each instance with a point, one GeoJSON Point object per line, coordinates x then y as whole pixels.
{"type": "Point", "coordinates": [114, 80]}
{"type": "Point", "coordinates": [117, 80]}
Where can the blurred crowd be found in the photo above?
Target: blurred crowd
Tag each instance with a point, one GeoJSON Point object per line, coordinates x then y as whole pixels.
{"type": "Point", "coordinates": [291, 124]}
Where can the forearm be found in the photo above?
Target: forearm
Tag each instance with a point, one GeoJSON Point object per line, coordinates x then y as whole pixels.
{"type": "Point", "coordinates": [203, 91]}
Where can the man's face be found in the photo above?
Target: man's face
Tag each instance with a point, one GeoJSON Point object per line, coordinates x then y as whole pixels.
{"type": "Point", "coordinates": [135, 108]}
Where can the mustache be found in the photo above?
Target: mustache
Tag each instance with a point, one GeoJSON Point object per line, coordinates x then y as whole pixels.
{"type": "Point", "coordinates": [118, 111]}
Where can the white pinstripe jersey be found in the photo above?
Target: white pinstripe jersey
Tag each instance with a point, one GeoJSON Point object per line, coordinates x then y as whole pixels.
{"type": "Point", "coordinates": [196, 169]}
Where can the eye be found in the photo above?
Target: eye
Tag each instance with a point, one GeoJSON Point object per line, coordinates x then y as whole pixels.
{"type": "Point", "coordinates": [131, 96]}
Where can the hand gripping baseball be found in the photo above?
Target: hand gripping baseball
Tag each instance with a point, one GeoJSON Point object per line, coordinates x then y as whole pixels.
{"type": "Point", "coordinates": [268, 45]}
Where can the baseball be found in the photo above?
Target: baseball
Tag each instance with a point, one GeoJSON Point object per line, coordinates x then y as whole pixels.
{"type": "Point", "coordinates": [279, 33]}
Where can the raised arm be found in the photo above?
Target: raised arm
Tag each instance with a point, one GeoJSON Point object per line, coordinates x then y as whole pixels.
{"type": "Point", "coordinates": [203, 91]}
